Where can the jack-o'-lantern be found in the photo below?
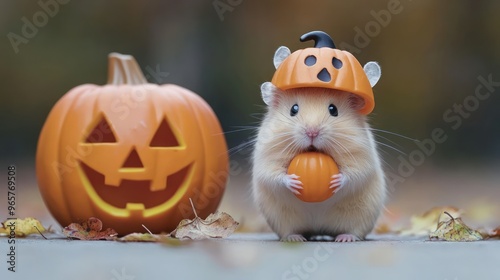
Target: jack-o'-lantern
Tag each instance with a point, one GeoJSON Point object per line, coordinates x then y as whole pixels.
{"type": "Point", "coordinates": [315, 171]}
{"type": "Point", "coordinates": [131, 153]}
{"type": "Point", "coordinates": [324, 66]}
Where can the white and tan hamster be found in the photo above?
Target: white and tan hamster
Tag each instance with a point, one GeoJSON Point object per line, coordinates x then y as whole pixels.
{"type": "Point", "coordinates": [327, 121]}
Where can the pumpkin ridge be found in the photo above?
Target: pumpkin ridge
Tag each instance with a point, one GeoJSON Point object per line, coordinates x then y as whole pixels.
{"type": "Point", "coordinates": [81, 95]}
{"type": "Point", "coordinates": [201, 103]}
{"type": "Point", "coordinates": [45, 170]}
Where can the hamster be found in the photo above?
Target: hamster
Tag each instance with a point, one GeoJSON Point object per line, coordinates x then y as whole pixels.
{"type": "Point", "coordinates": [327, 121]}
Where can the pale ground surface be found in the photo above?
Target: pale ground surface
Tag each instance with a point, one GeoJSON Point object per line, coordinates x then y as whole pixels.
{"type": "Point", "coordinates": [259, 256]}
{"type": "Point", "coordinates": [255, 256]}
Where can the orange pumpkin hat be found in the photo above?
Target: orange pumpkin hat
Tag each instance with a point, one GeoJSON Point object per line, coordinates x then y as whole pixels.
{"type": "Point", "coordinates": [324, 66]}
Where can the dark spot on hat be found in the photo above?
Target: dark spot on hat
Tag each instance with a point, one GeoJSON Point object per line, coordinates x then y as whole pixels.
{"type": "Point", "coordinates": [337, 63]}
{"type": "Point", "coordinates": [310, 60]}
{"type": "Point", "coordinates": [324, 76]}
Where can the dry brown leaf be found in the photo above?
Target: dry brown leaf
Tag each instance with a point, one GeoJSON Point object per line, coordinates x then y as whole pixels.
{"type": "Point", "coordinates": [216, 225]}
{"type": "Point", "coordinates": [21, 227]}
{"type": "Point", "coordinates": [89, 230]}
{"type": "Point", "coordinates": [495, 233]}
{"type": "Point", "coordinates": [427, 222]}
{"type": "Point", "coordinates": [455, 230]}
{"type": "Point", "coordinates": [490, 233]}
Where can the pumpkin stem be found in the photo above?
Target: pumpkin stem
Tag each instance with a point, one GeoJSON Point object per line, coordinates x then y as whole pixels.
{"type": "Point", "coordinates": [321, 39]}
{"type": "Point", "coordinates": [124, 70]}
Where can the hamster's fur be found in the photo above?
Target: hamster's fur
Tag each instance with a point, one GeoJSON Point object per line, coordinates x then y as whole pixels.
{"type": "Point", "coordinates": [350, 214]}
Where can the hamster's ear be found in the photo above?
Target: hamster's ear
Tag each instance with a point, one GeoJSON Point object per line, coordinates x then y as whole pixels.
{"type": "Point", "coordinates": [373, 72]}
{"type": "Point", "coordinates": [268, 91]}
{"type": "Point", "coordinates": [281, 54]}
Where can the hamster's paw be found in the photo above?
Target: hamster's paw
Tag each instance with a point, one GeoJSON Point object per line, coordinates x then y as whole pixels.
{"type": "Point", "coordinates": [338, 182]}
{"type": "Point", "coordinates": [294, 238]}
{"type": "Point", "coordinates": [346, 237]}
{"type": "Point", "coordinates": [292, 183]}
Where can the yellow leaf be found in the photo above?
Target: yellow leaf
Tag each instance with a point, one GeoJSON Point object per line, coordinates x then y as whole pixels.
{"type": "Point", "coordinates": [427, 222]}
{"type": "Point", "coordinates": [140, 237]}
{"type": "Point", "coordinates": [455, 230]}
{"type": "Point", "coordinates": [21, 227]}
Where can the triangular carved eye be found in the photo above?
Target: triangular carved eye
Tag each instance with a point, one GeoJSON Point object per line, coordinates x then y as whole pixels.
{"type": "Point", "coordinates": [102, 133]}
{"type": "Point", "coordinates": [164, 136]}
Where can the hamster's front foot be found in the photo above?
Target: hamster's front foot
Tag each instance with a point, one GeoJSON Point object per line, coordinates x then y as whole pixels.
{"type": "Point", "coordinates": [337, 182]}
{"type": "Point", "coordinates": [346, 237]}
{"type": "Point", "coordinates": [292, 183]}
{"type": "Point", "coordinates": [294, 238]}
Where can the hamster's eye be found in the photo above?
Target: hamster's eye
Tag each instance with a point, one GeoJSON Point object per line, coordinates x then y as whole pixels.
{"type": "Point", "coordinates": [294, 110]}
{"type": "Point", "coordinates": [333, 110]}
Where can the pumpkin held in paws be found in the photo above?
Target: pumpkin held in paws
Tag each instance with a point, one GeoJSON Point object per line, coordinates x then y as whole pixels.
{"type": "Point", "coordinates": [315, 171]}
{"type": "Point", "coordinates": [131, 153]}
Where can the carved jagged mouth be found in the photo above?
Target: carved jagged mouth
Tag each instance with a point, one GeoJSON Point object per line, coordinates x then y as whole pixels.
{"type": "Point", "coordinates": [135, 191]}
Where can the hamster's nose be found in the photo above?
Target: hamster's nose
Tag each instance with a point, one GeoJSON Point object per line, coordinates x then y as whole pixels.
{"type": "Point", "coordinates": [312, 132]}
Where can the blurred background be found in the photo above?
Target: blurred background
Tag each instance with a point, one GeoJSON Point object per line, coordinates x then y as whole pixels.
{"type": "Point", "coordinates": [433, 54]}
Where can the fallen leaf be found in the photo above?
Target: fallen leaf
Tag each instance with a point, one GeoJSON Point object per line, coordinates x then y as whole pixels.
{"type": "Point", "coordinates": [427, 222]}
{"type": "Point", "coordinates": [382, 228]}
{"type": "Point", "coordinates": [455, 230]}
{"type": "Point", "coordinates": [89, 230]}
{"type": "Point", "coordinates": [21, 227]}
{"type": "Point", "coordinates": [490, 233]}
{"type": "Point", "coordinates": [216, 225]}
{"type": "Point", "coordinates": [482, 211]}
{"type": "Point", "coordinates": [496, 232]}
{"type": "Point", "coordinates": [140, 237]}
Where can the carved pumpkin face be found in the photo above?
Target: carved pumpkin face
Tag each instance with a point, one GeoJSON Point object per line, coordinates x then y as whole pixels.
{"type": "Point", "coordinates": [131, 154]}
{"type": "Point", "coordinates": [325, 67]}
{"type": "Point", "coordinates": [315, 171]}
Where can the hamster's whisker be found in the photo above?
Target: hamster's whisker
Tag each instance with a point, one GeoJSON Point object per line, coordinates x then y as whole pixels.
{"type": "Point", "coordinates": [338, 144]}
{"type": "Point", "coordinates": [241, 146]}
{"type": "Point", "coordinates": [392, 133]}
{"type": "Point", "coordinates": [239, 130]}
{"type": "Point", "coordinates": [291, 145]}
{"type": "Point", "coordinates": [283, 140]}
{"type": "Point", "coordinates": [391, 147]}
{"type": "Point", "coordinates": [286, 119]}
{"type": "Point", "coordinates": [377, 135]}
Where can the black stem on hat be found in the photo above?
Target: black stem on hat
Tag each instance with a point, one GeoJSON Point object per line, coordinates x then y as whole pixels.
{"type": "Point", "coordinates": [321, 39]}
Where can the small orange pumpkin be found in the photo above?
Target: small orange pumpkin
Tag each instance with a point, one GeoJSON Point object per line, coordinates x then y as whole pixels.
{"type": "Point", "coordinates": [131, 153]}
{"type": "Point", "coordinates": [315, 171]}
{"type": "Point", "coordinates": [325, 67]}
